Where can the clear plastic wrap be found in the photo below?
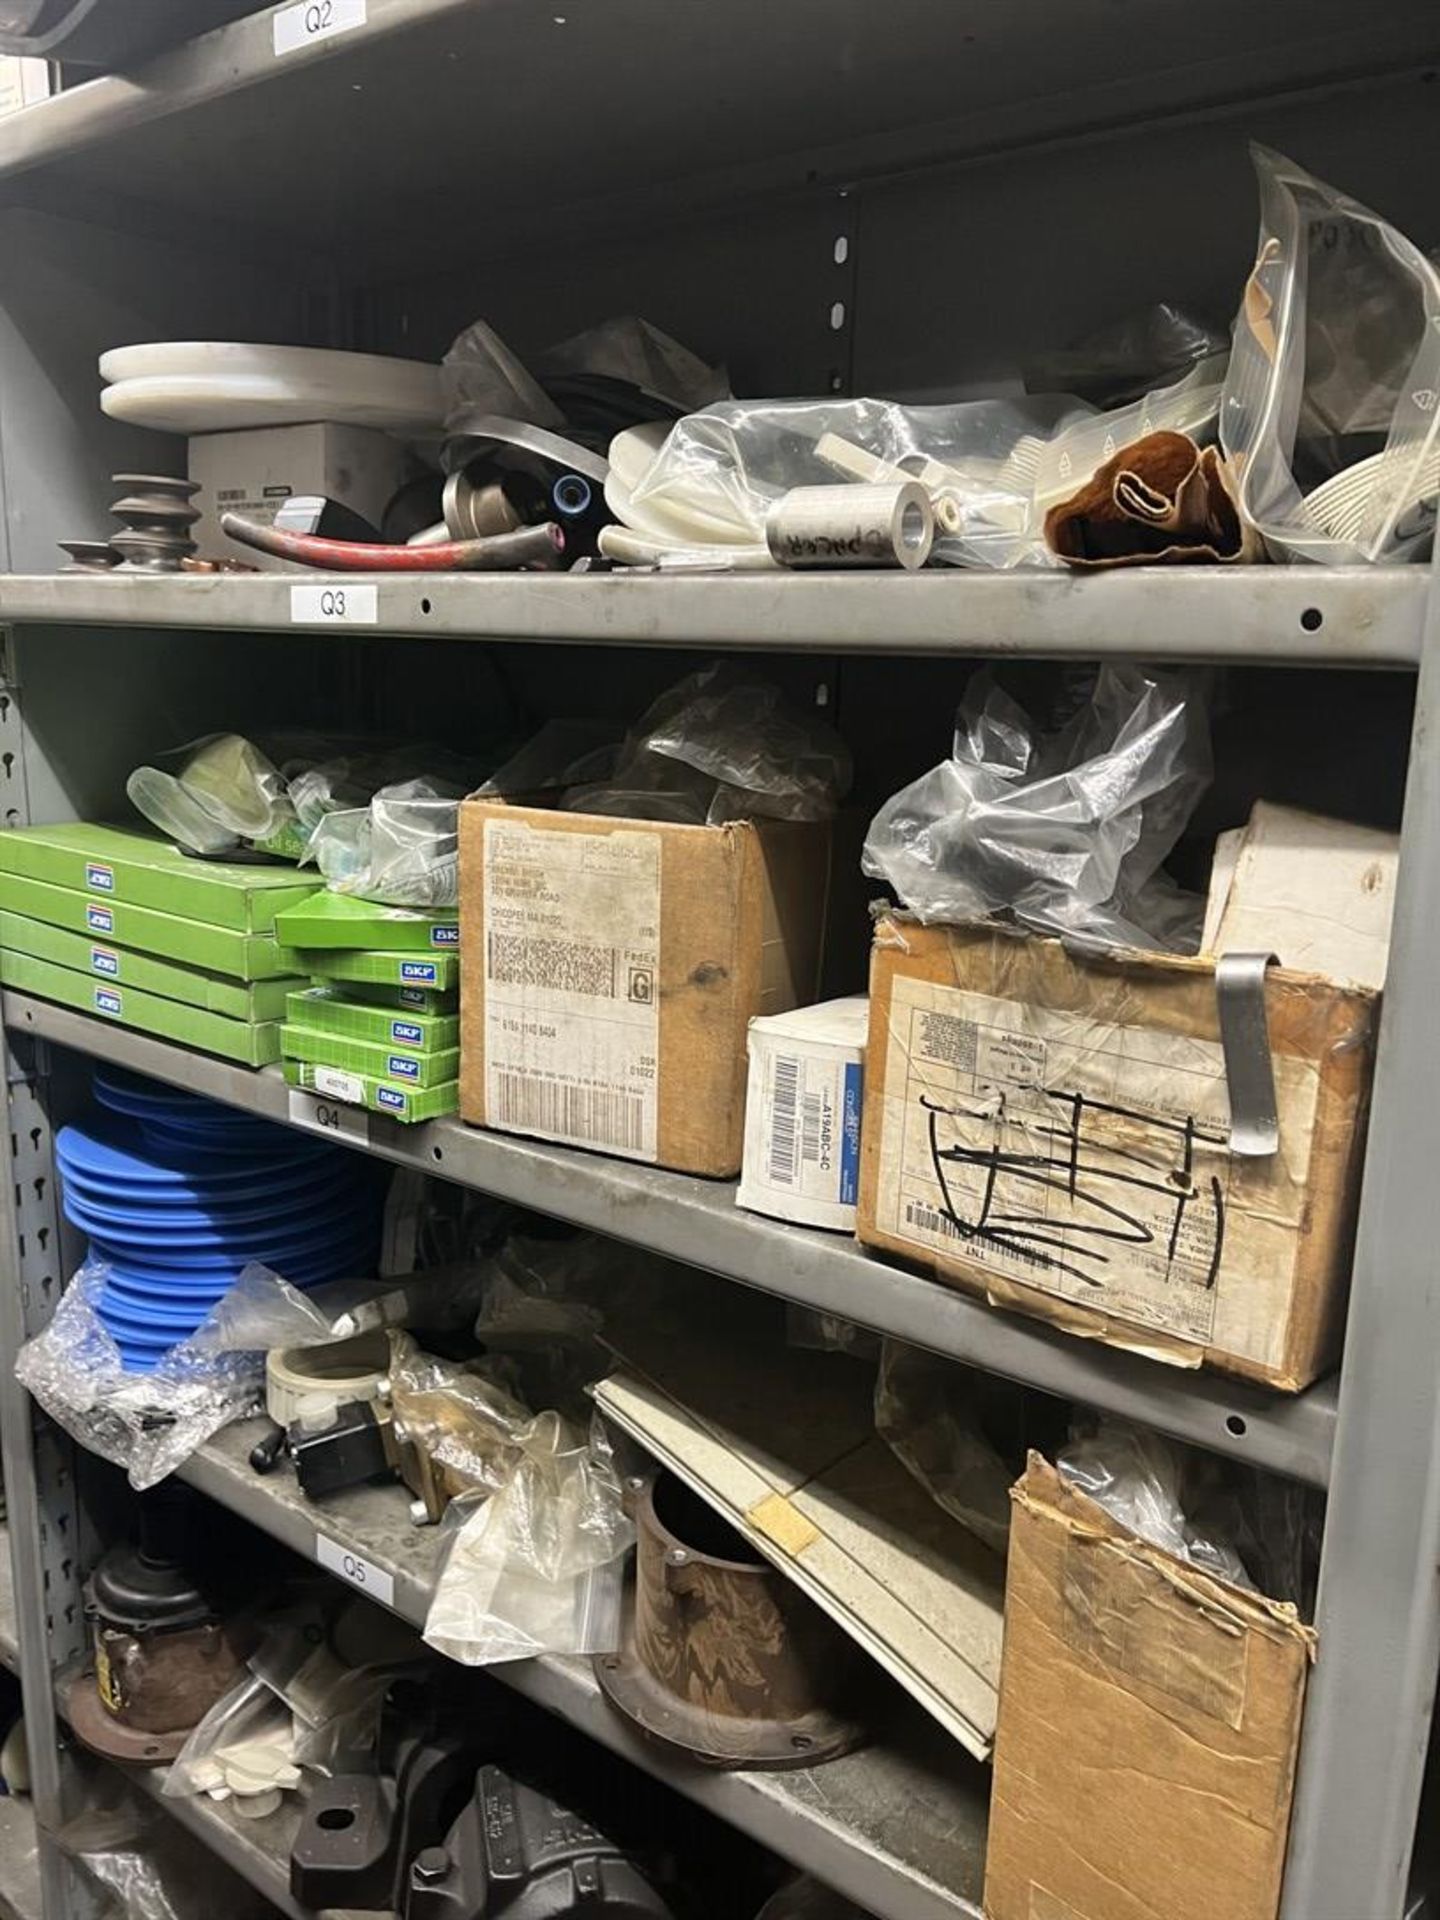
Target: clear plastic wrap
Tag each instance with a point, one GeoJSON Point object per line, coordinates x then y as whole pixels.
{"type": "Point", "coordinates": [1138, 1477]}
{"type": "Point", "coordinates": [243, 1747]}
{"type": "Point", "coordinates": [215, 795]}
{"type": "Point", "coordinates": [1124, 360]}
{"type": "Point", "coordinates": [718, 746]}
{"type": "Point", "coordinates": [481, 374]}
{"type": "Point", "coordinates": [403, 849]}
{"type": "Point", "coordinates": [1330, 414]}
{"type": "Point", "coordinates": [963, 1435]}
{"type": "Point", "coordinates": [1065, 830]}
{"type": "Point", "coordinates": [627, 348]}
{"type": "Point", "coordinates": [149, 1867]}
{"type": "Point", "coordinates": [459, 1415]}
{"type": "Point", "coordinates": [537, 1567]}
{"type": "Point", "coordinates": [148, 1423]}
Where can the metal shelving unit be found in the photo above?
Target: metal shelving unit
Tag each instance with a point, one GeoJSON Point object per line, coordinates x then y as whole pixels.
{"type": "Point", "coordinates": [19, 1858]}
{"type": "Point", "coordinates": [697, 1221]}
{"type": "Point", "coordinates": [1363, 618]}
{"type": "Point", "coordinates": [164, 204]}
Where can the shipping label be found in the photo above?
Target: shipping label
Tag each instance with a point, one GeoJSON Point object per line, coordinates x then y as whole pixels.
{"type": "Point", "coordinates": [572, 961]}
{"type": "Point", "coordinates": [1091, 1161]}
{"type": "Point", "coordinates": [811, 1108]}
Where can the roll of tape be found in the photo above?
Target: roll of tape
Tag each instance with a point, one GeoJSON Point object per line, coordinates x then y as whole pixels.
{"type": "Point", "coordinates": [891, 525]}
{"type": "Point", "coordinates": [309, 1383]}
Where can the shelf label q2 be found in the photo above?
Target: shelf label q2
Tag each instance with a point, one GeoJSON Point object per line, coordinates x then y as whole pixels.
{"type": "Point", "coordinates": [360, 1572]}
{"type": "Point", "coordinates": [354, 605]}
{"type": "Point", "coordinates": [312, 20]}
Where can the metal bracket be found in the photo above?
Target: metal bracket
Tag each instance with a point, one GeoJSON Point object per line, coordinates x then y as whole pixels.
{"type": "Point", "coordinates": [1245, 1038]}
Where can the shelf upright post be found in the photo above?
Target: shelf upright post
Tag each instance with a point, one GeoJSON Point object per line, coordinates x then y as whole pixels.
{"type": "Point", "coordinates": [1372, 1693]}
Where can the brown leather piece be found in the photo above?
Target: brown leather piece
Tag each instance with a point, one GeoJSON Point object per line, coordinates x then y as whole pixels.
{"type": "Point", "coordinates": [1160, 501]}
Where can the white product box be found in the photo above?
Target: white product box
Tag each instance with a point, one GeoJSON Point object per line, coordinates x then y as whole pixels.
{"type": "Point", "coordinates": [254, 471]}
{"type": "Point", "coordinates": [802, 1114]}
{"type": "Point", "coordinates": [22, 83]}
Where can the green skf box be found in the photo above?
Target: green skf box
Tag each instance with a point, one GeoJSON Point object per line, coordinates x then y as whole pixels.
{"type": "Point", "coordinates": [254, 1045]}
{"type": "Point", "coordinates": [142, 870]}
{"type": "Point", "coordinates": [397, 1064]}
{"type": "Point", "coordinates": [193, 943]}
{"type": "Point", "coordinates": [326, 1010]}
{"type": "Point", "coordinates": [433, 972]}
{"type": "Point", "coordinates": [369, 993]}
{"type": "Point", "coordinates": [339, 920]}
{"type": "Point", "coordinates": [381, 1096]}
{"type": "Point", "coordinates": [236, 999]}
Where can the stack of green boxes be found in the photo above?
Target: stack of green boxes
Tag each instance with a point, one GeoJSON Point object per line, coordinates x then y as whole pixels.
{"type": "Point", "coordinates": [379, 1028]}
{"type": "Point", "coordinates": [123, 925]}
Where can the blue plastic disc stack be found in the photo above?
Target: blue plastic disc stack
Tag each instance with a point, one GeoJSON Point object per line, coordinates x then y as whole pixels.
{"type": "Point", "coordinates": [178, 1194]}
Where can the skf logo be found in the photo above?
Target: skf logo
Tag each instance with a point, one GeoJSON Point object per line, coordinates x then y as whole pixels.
{"type": "Point", "coordinates": [100, 919]}
{"type": "Point", "coordinates": [418, 970]}
{"type": "Point", "coordinates": [102, 879]}
{"type": "Point", "coordinates": [107, 1000]}
{"type": "Point", "coordinates": [390, 1097]}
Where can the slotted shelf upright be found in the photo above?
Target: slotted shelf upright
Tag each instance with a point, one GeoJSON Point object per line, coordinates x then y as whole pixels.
{"type": "Point", "coordinates": [841, 199]}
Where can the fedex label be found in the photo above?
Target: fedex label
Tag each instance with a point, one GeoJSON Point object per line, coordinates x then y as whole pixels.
{"type": "Point", "coordinates": [402, 1066]}
{"type": "Point", "coordinates": [419, 970]}
{"type": "Point", "coordinates": [392, 1098]}
{"type": "Point", "coordinates": [103, 961]}
{"type": "Point", "coordinates": [445, 936]}
{"type": "Point", "coordinates": [107, 1000]}
{"type": "Point", "coordinates": [102, 879]}
{"type": "Point", "coordinates": [405, 1033]}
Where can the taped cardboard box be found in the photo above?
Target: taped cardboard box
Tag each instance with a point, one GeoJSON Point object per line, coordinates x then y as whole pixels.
{"type": "Point", "coordinates": [1149, 1723]}
{"type": "Point", "coordinates": [1051, 1130]}
{"type": "Point", "coordinates": [611, 968]}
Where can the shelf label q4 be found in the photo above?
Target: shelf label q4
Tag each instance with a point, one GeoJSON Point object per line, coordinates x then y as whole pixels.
{"type": "Point", "coordinates": [339, 604]}
{"type": "Point", "coordinates": [360, 1572]}
{"type": "Point", "coordinates": [319, 1114]}
{"type": "Point", "coordinates": [313, 20]}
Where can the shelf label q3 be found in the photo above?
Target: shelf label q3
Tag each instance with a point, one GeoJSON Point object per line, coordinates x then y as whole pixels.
{"type": "Point", "coordinates": [338, 604]}
{"type": "Point", "coordinates": [300, 26]}
{"type": "Point", "coordinates": [360, 1572]}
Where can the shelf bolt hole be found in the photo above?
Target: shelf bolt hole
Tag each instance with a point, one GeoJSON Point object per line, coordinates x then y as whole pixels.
{"type": "Point", "coordinates": [1312, 619]}
{"type": "Point", "coordinates": [1236, 1424]}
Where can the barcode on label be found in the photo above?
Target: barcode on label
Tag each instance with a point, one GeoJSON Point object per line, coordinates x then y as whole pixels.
{"type": "Point", "coordinates": [514, 959]}
{"type": "Point", "coordinates": [810, 1127]}
{"type": "Point", "coordinates": [784, 1114]}
{"type": "Point", "coordinates": [597, 1116]}
{"type": "Point", "coordinates": [929, 1220]}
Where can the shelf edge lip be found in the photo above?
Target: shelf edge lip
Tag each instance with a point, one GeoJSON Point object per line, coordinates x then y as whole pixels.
{"type": "Point", "coordinates": [695, 1221]}
{"type": "Point", "coordinates": [1252, 614]}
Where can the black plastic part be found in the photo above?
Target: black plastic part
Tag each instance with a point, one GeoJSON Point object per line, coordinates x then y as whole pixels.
{"type": "Point", "coordinates": [331, 519]}
{"type": "Point", "coordinates": [343, 1455]}
{"type": "Point", "coordinates": [144, 1588]}
{"type": "Point", "coordinates": [515, 1855]}
{"type": "Point", "coordinates": [268, 1448]}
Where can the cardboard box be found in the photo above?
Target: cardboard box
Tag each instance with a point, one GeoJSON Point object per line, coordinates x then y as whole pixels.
{"type": "Point", "coordinates": [1149, 1723]}
{"type": "Point", "coordinates": [612, 967]}
{"type": "Point", "coordinates": [1051, 1130]}
{"type": "Point", "coordinates": [400, 1065]}
{"type": "Point", "coordinates": [435, 974]}
{"type": "Point", "coordinates": [253, 1045]}
{"type": "Point", "coordinates": [244, 956]}
{"type": "Point", "coordinates": [140, 869]}
{"type": "Point", "coordinates": [803, 1099]}
{"type": "Point", "coordinates": [327, 920]}
{"type": "Point", "coordinates": [381, 1096]}
{"type": "Point", "coordinates": [253, 1001]}
{"type": "Point", "coordinates": [324, 1010]}
{"type": "Point", "coordinates": [254, 471]}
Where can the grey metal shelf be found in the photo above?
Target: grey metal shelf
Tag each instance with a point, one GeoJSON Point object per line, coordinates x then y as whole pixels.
{"type": "Point", "coordinates": [19, 1862]}
{"type": "Point", "coordinates": [1354, 616]}
{"type": "Point", "coordinates": [9, 1636]}
{"type": "Point", "coordinates": [697, 1221]}
{"type": "Point", "coordinates": [899, 1828]}
{"type": "Point", "coordinates": [787, 101]}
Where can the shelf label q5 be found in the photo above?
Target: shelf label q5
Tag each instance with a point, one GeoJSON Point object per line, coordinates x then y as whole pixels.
{"type": "Point", "coordinates": [360, 1572]}
{"type": "Point", "coordinates": [315, 20]}
{"type": "Point", "coordinates": [339, 604]}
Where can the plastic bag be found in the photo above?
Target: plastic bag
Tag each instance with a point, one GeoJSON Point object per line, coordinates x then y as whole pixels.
{"type": "Point", "coordinates": [963, 1435]}
{"type": "Point", "coordinates": [402, 850]}
{"type": "Point", "coordinates": [1138, 1478]}
{"type": "Point", "coordinates": [1330, 413]}
{"type": "Point", "coordinates": [219, 794]}
{"type": "Point", "coordinates": [1120, 362]}
{"type": "Point", "coordinates": [537, 1567]}
{"type": "Point", "coordinates": [150, 1867]}
{"type": "Point", "coordinates": [1064, 830]}
{"type": "Point", "coordinates": [481, 374]}
{"type": "Point", "coordinates": [149, 1423]}
{"type": "Point", "coordinates": [717, 747]}
{"type": "Point", "coordinates": [463, 1419]}
{"type": "Point", "coordinates": [626, 348]}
